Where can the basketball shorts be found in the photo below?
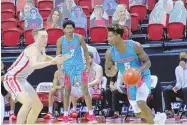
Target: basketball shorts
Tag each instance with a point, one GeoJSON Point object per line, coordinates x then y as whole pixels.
{"type": "Point", "coordinates": [17, 85]}
{"type": "Point", "coordinates": [140, 92]}
{"type": "Point", "coordinates": [78, 72]}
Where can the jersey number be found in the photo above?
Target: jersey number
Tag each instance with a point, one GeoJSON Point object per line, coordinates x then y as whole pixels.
{"type": "Point", "coordinates": [127, 65]}
{"type": "Point", "coordinates": [72, 52]}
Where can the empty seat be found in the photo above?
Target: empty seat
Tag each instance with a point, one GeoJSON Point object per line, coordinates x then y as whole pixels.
{"type": "Point", "coordinates": [155, 31]}
{"type": "Point", "coordinates": [28, 37]}
{"type": "Point", "coordinates": [86, 10]}
{"type": "Point", "coordinates": [98, 34]}
{"type": "Point", "coordinates": [47, 4]}
{"type": "Point", "coordinates": [175, 30]}
{"type": "Point", "coordinates": [7, 6]}
{"type": "Point", "coordinates": [141, 11]}
{"type": "Point", "coordinates": [21, 25]}
{"type": "Point", "coordinates": [80, 31]}
{"type": "Point", "coordinates": [151, 4]}
{"type": "Point", "coordinates": [44, 13]}
{"type": "Point", "coordinates": [134, 22]}
{"type": "Point", "coordinates": [11, 37]}
{"type": "Point", "coordinates": [8, 24]}
{"type": "Point", "coordinates": [85, 3]}
{"type": "Point", "coordinates": [7, 14]}
{"type": "Point", "coordinates": [53, 35]}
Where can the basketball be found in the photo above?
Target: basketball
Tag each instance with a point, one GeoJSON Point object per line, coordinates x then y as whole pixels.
{"type": "Point", "coordinates": [131, 77]}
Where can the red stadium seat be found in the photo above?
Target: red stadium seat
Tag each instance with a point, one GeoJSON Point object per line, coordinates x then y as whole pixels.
{"type": "Point", "coordinates": [86, 10]}
{"type": "Point", "coordinates": [11, 37]}
{"type": "Point", "coordinates": [8, 24]}
{"type": "Point", "coordinates": [45, 22]}
{"type": "Point", "coordinates": [7, 14]}
{"type": "Point", "coordinates": [151, 4]}
{"type": "Point", "coordinates": [126, 2]}
{"type": "Point", "coordinates": [141, 11]}
{"type": "Point", "coordinates": [175, 30]}
{"type": "Point", "coordinates": [18, 15]}
{"type": "Point", "coordinates": [46, 4]}
{"type": "Point", "coordinates": [88, 23]}
{"type": "Point", "coordinates": [53, 35]}
{"type": "Point", "coordinates": [134, 22]}
{"type": "Point", "coordinates": [167, 19]}
{"type": "Point", "coordinates": [98, 34]}
{"type": "Point", "coordinates": [155, 31]}
{"type": "Point", "coordinates": [44, 13]}
{"type": "Point", "coordinates": [21, 25]}
{"type": "Point", "coordinates": [80, 31]}
{"type": "Point", "coordinates": [85, 3]}
{"type": "Point", "coordinates": [7, 6]}
{"type": "Point", "coordinates": [28, 37]}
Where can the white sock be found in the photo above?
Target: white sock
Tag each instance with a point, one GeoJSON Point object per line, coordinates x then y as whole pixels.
{"type": "Point", "coordinates": [74, 108]}
{"type": "Point", "coordinates": [50, 108]}
{"type": "Point", "coordinates": [11, 111]}
{"type": "Point", "coordinates": [65, 113]}
{"type": "Point", "coordinates": [91, 112]}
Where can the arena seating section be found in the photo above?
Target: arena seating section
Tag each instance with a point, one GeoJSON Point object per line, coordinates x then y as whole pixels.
{"type": "Point", "coordinates": [152, 36]}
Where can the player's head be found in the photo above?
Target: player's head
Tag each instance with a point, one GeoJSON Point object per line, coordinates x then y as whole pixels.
{"type": "Point", "coordinates": [68, 27]}
{"type": "Point", "coordinates": [90, 57]}
{"type": "Point", "coordinates": [40, 35]}
{"type": "Point", "coordinates": [183, 55]}
{"type": "Point", "coordinates": [115, 33]}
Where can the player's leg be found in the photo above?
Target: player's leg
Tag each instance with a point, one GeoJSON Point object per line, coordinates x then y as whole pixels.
{"type": "Point", "coordinates": [17, 92]}
{"type": "Point", "coordinates": [67, 92]}
{"type": "Point", "coordinates": [51, 100]}
{"type": "Point", "coordinates": [36, 106]}
{"type": "Point", "coordinates": [12, 107]}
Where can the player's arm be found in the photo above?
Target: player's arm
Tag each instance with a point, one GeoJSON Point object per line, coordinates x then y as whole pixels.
{"type": "Point", "coordinates": [58, 51]}
{"type": "Point", "coordinates": [110, 69]}
{"type": "Point", "coordinates": [98, 77]}
{"type": "Point", "coordinates": [146, 63]}
{"type": "Point", "coordinates": [32, 52]}
{"type": "Point", "coordinates": [85, 49]}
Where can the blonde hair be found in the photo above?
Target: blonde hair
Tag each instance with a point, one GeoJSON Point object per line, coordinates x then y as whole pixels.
{"type": "Point", "coordinates": [35, 31]}
{"type": "Point", "coordinates": [118, 9]}
{"type": "Point", "coordinates": [182, 55]}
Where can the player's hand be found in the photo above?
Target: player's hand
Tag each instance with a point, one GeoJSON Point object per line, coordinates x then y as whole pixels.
{"type": "Point", "coordinates": [114, 70]}
{"type": "Point", "coordinates": [175, 89]}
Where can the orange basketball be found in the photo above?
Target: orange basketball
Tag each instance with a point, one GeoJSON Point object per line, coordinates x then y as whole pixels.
{"type": "Point", "coordinates": [131, 77]}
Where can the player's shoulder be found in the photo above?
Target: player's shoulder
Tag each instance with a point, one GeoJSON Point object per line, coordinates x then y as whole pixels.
{"type": "Point", "coordinates": [31, 49]}
{"type": "Point", "coordinates": [80, 37]}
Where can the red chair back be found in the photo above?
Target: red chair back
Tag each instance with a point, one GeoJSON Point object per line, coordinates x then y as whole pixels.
{"type": "Point", "coordinates": [155, 31]}
{"type": "Point", "coordinates": [134, 22]}
{"type": "Point", "coordinates": [8, 24]}
{"type": "Point", "coordinates": [175, 30]}
{"type": "Point", "coordinates": [80, 31]}
{"type": "Point", "coordinates": [98, 34]}
{"type": "Point", "coordinates": [46, 4]}
{"type": "Point", "coordinates": [7, 14]}
{"type": "Point", "coordinates": [53, 35]}
{"type": "Point", "coordinates": [11, 37]}
{"type": "Point", "coordinates": [141, 11]}
{"type": "Point", "coordinates": [28, 37]}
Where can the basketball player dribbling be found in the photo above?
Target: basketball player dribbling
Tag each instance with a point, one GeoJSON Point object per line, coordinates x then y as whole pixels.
{"type": "Point", "coordinates": [74, 67]}
{"type": "Point", "coordinates": [130, 54]}
{"type": "Point", "coordinates": [15, 81]}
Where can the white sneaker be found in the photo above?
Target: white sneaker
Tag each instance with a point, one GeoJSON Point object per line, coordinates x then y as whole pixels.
{"type": "Point", "coordinates": [160, 118]}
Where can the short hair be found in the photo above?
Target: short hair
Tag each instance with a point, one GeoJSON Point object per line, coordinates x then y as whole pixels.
{"type": "Point", "coordinates": [90, 54]}
{"type": "Point", "coordinates": [99, 7]}
{"type": "Point", "coordinates": [182, 54]}
{"type": "Point", "coordinates": [116, 29]}
{"type": "Point", "coordinates": [35, 31]}
{"type": "Point", "coordinates": [68, 22]}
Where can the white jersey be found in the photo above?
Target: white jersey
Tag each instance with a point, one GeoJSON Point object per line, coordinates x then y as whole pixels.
{"type": "Point", "coordinates": [21, 68]}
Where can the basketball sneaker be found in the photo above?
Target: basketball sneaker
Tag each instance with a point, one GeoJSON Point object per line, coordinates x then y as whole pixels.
{"type": "Point", "coordinates": [12, 116]}
{"type": "Point", "coordinates": [160, 119]}
{"type": "Point", "coordinates": [65, 119]}
{"type": "Point", "coordinates": [49, 116]}
{"type": "Point", "coordinates": [74, 114]}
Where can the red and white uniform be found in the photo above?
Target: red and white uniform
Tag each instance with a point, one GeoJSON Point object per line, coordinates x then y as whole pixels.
{"type": "Point", "coordinates": [15, 78]}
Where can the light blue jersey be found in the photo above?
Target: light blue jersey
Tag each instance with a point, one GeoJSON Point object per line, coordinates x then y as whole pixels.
{"type": "Point", "coordinates": [129, 59]}
{"type": "Point", "coordinates": [74, 66]}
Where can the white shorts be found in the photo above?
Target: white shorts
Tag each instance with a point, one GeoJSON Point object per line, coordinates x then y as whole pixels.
{"type": "Point", "coordinates": [141, 95]}
{"type": "Point", "coordinates": [17, 85]}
